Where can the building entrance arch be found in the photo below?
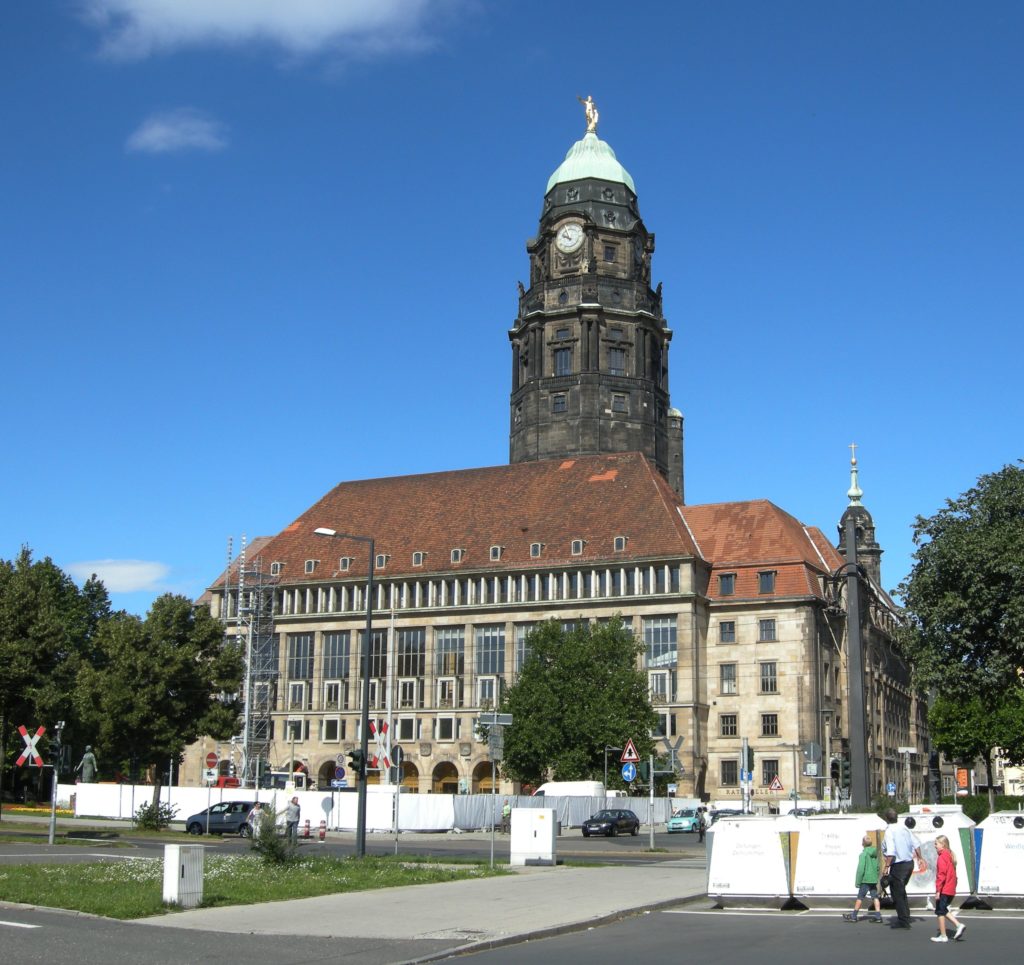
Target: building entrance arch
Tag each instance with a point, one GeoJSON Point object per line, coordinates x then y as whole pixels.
{"type": "Point", "coordinates": [482, 778]}
{"type": "Point", "coordinates": [445, 779]}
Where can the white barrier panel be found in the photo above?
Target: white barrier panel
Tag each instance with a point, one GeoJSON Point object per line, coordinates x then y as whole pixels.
{"type": "Point", "coordinates": [927, 822]}
{"type": "Point", "coordinates": [748, 857]}
{"type": "Point", "coordinates": [1001, 858]}
{"type": "Point", "coordinates": [826, 851]}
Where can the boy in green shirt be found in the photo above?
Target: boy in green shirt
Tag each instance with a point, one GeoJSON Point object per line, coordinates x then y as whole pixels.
{"type": "Point", "coordinates": [867, 881]}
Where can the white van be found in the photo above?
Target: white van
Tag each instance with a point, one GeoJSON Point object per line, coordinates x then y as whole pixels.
{"type": "Point", "coordinates": [570, 789]}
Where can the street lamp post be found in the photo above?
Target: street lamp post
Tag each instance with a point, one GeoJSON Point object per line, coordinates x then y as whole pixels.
{"type": "Point", "coordinates": [607, 747]}
{"type": "Point", "coordinates": [364, 717]}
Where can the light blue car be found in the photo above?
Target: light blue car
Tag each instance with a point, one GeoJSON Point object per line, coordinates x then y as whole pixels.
{"type": "Point", "coordinates": [684, 820]}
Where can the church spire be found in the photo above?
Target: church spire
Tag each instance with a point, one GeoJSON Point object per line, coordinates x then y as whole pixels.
{"type": "Point", "coordinates": [854, 492]}
{"type": "Point", "coordinates": [869, 553]}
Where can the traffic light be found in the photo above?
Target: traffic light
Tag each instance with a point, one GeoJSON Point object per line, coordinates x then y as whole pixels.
{"type": "Point", "coordinates": [357, 763]}
{"type": "Point", "coordinates": [749, 763]}
{"type": "Point", "coordinates": [834, 770]}
{"type": "Point", "coordinates": [643, 770]}
{"type": "Point", "coordinates": [845, 770]}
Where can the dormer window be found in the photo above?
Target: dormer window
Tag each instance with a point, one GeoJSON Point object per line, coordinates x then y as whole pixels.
{"type": "Point", "coordinates": [576, 547]}
{"type": "Point", "coordinates": [311, 565]}
{"type": "Point", "coordinates": [496, 553]}
{"type": "Point", "coordinates": [457, 555]}
{"type": "Point", "coordinates": [536, 549]}
{"type": "Point", "coordinates": [345, 564]}
{"type": "Point", "coordinates": [418, 557]}
{"type": "Point", "coordinates": [727, 584]}
{"type": "Point", "coordinates": [620, 544]}
{"type": "Point", "coordinates": [766, 581]}
{"type": "Point", "coordinates": [380, 561]}
{"type": "Point", "coordinates": [275, 569]}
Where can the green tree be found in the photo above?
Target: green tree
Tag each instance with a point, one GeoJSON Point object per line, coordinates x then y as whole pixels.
{"type": "Point", "coordinates": [964, 597]}
{"type": "Point", "coordinates": [577, 692]}
{"type": "Point", "coordinates": [46, 630]}
{"type": "Point", "coordinates": [155, 685]}
{"type": "Point", "coordinates": [964, 730]}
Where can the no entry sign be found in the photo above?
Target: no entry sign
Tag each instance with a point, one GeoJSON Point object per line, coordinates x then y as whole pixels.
{"type": "Point", "coordinates": [30, 746]}
{"type": "Point", "coordinates": [212, 760]}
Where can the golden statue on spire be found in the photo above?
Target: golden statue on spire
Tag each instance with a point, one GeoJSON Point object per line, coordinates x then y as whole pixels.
{"type": "Point", "coordinates": [591, 110]}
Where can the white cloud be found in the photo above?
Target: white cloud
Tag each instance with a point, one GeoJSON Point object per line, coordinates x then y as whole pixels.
{"type": "Point", "coordinates": [137, 28]}
{"type": "Point", "coordinates": [183, 129]}
{"type": "Point", "coordinates": [122, 576]}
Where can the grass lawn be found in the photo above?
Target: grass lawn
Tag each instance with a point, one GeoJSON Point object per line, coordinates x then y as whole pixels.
{"type": "Point", "coordinates": [134, 888]}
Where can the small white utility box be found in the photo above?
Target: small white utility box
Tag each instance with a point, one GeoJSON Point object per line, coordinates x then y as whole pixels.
{"type": "Point", "coordinates": [183, 874]}
{"type": "Point", "coordinates": [533, 836]}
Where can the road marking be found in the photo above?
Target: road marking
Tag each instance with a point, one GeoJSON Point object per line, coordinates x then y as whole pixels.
{"type": "Point", "coordinates": [823, 913]}
{"type": "Point", "coordinates": [18, 924]}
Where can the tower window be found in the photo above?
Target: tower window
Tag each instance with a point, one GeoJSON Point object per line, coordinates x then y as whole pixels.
{"type": "Point", "coordinates": [562, 333]}
{"type": "Point", "coordinates": [563, 361]}
{"type": "Point", "coordinates": [563, 297]}
{"type": "Point", "coordinates": [615, 334]}
{"type": "Point", "coordinates": [619, 403]}
{"type": "Point", "coordinates": [559, 402]}
{"type": "Point", "coordinates": [616, 361]}
{"type": "Point", "coordinates": [610, 252]}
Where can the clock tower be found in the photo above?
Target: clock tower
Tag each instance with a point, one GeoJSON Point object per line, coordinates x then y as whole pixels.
{"type": "Point", "coordinates": [590, 343]}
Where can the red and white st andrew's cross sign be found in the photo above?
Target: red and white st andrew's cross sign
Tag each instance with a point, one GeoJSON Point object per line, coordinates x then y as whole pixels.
{"type": "Point", "coordinates": [30, 746]}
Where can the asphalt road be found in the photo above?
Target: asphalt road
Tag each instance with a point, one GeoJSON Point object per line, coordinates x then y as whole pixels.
{"type": "Point", "coordinates": [697, 934]}
{"type": "Point", "coordinates": [36, 937]}
{"type": "Point", "coordinates": [693, 933]}
{"type": "Point", "coordinates": [571, 846]}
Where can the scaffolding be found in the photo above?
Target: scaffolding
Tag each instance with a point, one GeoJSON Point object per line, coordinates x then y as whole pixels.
{"type": "Point", "coordinates": [253, 611]}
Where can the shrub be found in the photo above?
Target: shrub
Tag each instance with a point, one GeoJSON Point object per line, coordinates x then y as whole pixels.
{"type": "Point", "coordinates": [155, 817]}
{"type": "Point", "coordinates": [272, 847]}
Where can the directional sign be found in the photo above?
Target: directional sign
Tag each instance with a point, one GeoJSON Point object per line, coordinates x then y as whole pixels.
{"type": "Point", "coordinates": [629, 754]}
{"type": "Point", "coordinates": [339, 784]}
{"type": "Point", "coordinates": [212, 760]}
{"type": "Point", "coordinates": [776, 784]}
{"type": "Point", "coordinates": [30, 747]}
{"type": "Point", "coordinates": [629, 773]}
{"type": "Point", "coordinates": [890, 788]}
{"type": "Point", "coordinates": [494, 719]}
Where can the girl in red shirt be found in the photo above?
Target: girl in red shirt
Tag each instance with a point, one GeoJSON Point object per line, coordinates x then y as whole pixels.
{"type": "Point", "coordinates": [945, 889]}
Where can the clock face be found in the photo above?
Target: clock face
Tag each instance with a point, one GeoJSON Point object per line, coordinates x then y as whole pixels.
{"type": "Point", "coordinates": [569, 237]}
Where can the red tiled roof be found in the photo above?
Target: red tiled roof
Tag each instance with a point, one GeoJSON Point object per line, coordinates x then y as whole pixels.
{"type": "Point", "coordinates": [592, 498]}
{"type": "Point", "coordinates": [748, 537]}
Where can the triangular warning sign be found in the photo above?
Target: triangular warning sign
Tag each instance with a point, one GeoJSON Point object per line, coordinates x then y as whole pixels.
{"type": "Point", "coordinates": [776, 784]}
{"type": "Point", "coordinates": [629, 754]}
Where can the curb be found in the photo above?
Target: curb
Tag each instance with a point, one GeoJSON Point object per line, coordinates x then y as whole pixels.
{"type": "Point", "coordinates": [554, 931]}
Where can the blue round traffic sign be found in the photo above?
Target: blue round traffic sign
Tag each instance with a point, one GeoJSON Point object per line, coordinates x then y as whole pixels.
{"type": "Point", "coordinates": [629, 773]}
{"type": "Point", "coordinates": [339, 773]}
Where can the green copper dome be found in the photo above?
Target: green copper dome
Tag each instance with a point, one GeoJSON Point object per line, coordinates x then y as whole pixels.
{"type": "Point", "coordinates": [590, 158]}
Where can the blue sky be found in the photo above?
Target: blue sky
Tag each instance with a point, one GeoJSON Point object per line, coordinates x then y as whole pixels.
{"type": "Point", "coordinates": [250, 249]}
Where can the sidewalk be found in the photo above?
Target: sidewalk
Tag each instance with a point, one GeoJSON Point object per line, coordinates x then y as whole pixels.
{"type": "Point", "coordinates": [533, 903]}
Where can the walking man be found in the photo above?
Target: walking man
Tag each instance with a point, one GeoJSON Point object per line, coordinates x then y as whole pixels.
{"type": "Point", "coordinates": [291, 820]}
{"type": "Point", "coordinates": [900, 849]}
